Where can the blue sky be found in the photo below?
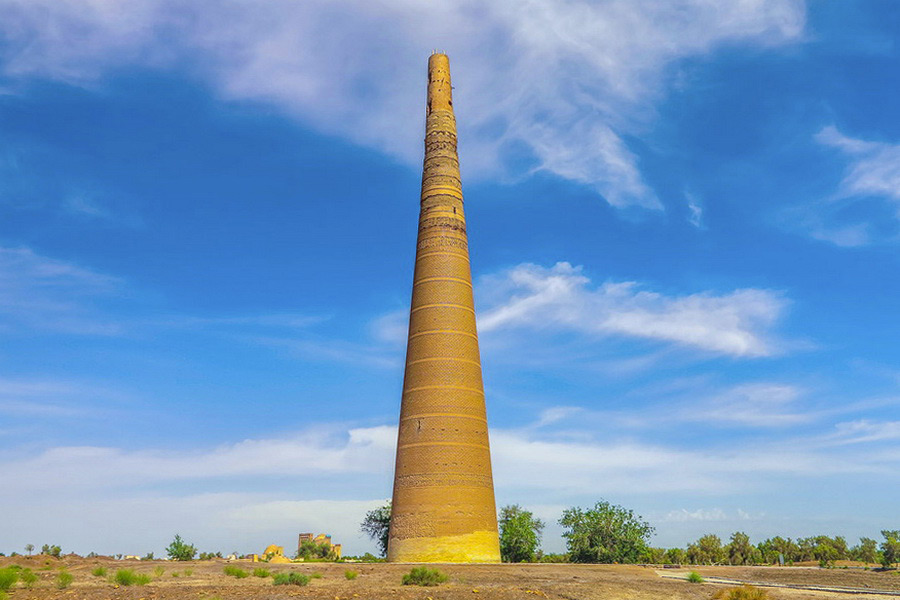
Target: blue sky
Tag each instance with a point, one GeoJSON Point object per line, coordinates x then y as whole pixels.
{"type": "Point", "coordinates": [683, 218]}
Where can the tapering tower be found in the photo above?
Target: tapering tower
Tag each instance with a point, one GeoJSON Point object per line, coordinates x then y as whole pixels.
{"type": "Point", "coordinates": [443, 508]}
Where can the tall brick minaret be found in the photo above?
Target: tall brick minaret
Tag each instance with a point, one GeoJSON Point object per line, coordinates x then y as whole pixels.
{"type": "Point", "coordinates": [443, 507]}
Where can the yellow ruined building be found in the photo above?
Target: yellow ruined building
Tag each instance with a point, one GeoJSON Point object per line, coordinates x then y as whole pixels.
{"type": "Point", "coordinates": [321, 539]}
{"type": "Point", "coordinates": [443, 507]}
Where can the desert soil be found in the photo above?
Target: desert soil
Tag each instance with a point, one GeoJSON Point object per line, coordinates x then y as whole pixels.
{"type": "Point", "coordinates": [205, 580]}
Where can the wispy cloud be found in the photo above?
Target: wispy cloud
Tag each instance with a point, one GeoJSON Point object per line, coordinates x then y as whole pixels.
{"type": "Point", "coordinates": [558, 84]}
{"type": "Point", "coordinates": [872, 173]}
{"type": "Point", "coordinates": [38, 293]}
{"type": "Point", "coordinates": [561, 297]}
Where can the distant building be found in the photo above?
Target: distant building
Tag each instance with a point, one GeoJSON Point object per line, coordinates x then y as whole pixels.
{"type": "Point", "coordinates": [322, 539]}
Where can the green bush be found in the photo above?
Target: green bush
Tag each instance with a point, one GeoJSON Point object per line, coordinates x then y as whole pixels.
{"type": "Point", "coordinates": [158, 571]}
{"type": "Point", "coordinates": [64, 580]}
{"type": "Point", "coordinates": [316, 576]}
{"type": "Point", "coordinates": [188, 572]}
{"type": "Point", "coordinates": [745, 592]}
{"type": "Point", "coordinates": [180, 550]}
{"type": "Point", "coordinates": [291, 579]}
{"type": "Point", "coordinates": [8, 578]}
{"type": "Point", "coordinates": [424, 576]}
{"type": "Point", "coordinates": [261, 572]}
{"type": "Point", "coordinates": [99, 572]}
{"type": "Point", "coordinates": [28, 578]}
{"type": "Point", "coordinates": [236, 572]}
{"type": "Point", "coordinates": [128, 577]}
{"type": "Point", "coordinates": [350, 574]}
{"type": "Point", "coordinates": [694, 577]}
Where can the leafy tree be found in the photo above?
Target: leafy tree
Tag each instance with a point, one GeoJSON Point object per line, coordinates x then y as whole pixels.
{"type": "Point", "coordinates": [180, 550]}
{"type": "Point", "coordinates": [520, 534]}
{"type": "Point", "coordinates": [606, 533]}
{"type": "Point", "coordinates": [739, 549]}
{"type": "Point", "coordinates": [890, 548]}
{"type": "Point", "coordinates": [654, 556]}
{"type": "Point", "coordinates": [707, 550]}
{"type": "Point", "coordinates": [29, 548]}
{"type": "Point", "coordinates": [376, 525]}
{"type": "Point", "coordinates": [49, 550]}
{"type": "Point", "coordinates": [771, 548]}
{"type": "Point", "coordinates": [866, 551]}
{"type": "Point", "coordinates": [675, 556]}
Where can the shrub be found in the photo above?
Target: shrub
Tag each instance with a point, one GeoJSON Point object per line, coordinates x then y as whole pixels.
{"type": "Point", "coordinates": [350, 574]}
{"type": "Point", "coordinates": [128, 577]}
{"type": "Point", "coordinates": [175, 573]}
{"type": "Point", "coordinates": [28, 578]}
{"type": "Point", "coordinates": [99, 572]}
{"type": "Point", "coordinates": [745, 592]}
{"type": "Point", "coordinates": [694, 577]}
{"type": "Point", "coordinates": [261, 572]}
{"type": "Point", "coordinates": [316, 576]}
{"type": "Point", "coordinates": [158, 571]}
{"type": "Point", "coordinates": [8, 578]}
{"type": "Point", "coordinates": [236, 572]}
{"type": "Point", "coordinates": [188, 572]}
{"type": "Point", "coordinates": [179, 550]}
{"type": "Point", "coordinates": [424, 576]}
{"type": "Point", "coordinates": [64, 580]}
{"type": "Point", "coordinates": [291, 579]}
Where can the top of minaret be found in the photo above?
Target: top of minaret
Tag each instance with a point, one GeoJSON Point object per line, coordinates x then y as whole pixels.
{"type": "Point", "coordinates": [439, 89]}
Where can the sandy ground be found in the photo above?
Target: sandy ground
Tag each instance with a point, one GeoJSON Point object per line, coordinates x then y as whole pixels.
{"type": "Point", "coordinates": [205, 580]}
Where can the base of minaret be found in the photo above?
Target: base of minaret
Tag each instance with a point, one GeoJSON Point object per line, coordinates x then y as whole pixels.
{"type": "Point", "coordinates": [476, 547]}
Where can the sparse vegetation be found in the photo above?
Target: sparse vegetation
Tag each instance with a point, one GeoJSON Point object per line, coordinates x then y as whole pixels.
{"type": "Point", "coordinates": [28, 578]}
{"type": "Point", "coordinates": [424, 576]}
{"type": "Point", "coordinates": [64, 580]}
{"type": "Point", "coordinates": [745, 592]}
{"type": "Point", "coordinates": [350, 575]}
{"type": "Point", "coordinates": [291, 579]}
{"type": "Point", "coordinates": [188, 572]}
{"type": "Point", "coordinates": [694, 577]}
{"type": "Point", "coordinates": [159, 570]}
{"type": "Point", "coordinates": [127, 577]}
{"type": "Point", "coordinates": [316, 575]}
{"type": "Point", "coordinates": [233, 571]}
{"type": "Point", "coordinates": [8, 578]}
{"type": "Point", "coordinates": [261, 573]}
{"type": "Point", "coordinates": [99, 572]}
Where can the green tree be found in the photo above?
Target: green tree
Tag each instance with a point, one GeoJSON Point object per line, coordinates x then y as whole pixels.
{"type": "Point", "coordinates": [707, 550]}
{"type": "Point", "coordinates": [606, 533]}
{"type": "Point", "coordinates": [29, 548]}
{"type": "Point", "coordinates": [739, 549]}
{"type": "Point", "coordinates": [890, 548]}
{"type": "Point", "coordinates": [376, 525]}
{"type": "Point", "coordinates": [866, 551]}
{"type": "Point", "coordinates": [675, 556]}
{"type": "Point", "coordinates": [520, 534]}
{"type": "Point", "coordinates": [180, 550]}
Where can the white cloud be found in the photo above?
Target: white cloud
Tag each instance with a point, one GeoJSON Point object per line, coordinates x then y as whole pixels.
{"type": "Point", "coordinates": [873, 172]}
{"type": "Point", "coordinates": [561, 297]}
{"type": "Point", "coordinates": [326, 478]}
{"type": "Point", "coordinates": [561, 82]}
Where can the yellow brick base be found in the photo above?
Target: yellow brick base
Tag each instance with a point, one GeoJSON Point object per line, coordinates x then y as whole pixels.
{"type": "Point", "coordinates": [479, 547]}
